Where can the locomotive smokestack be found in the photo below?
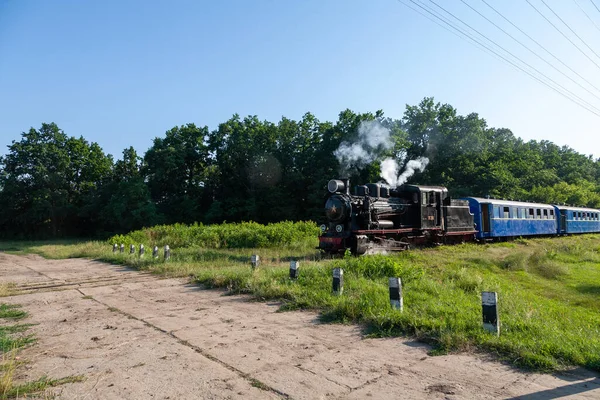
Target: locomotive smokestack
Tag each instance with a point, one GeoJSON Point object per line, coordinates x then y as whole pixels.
{"type": "Point", "coordinates": [347, 184]}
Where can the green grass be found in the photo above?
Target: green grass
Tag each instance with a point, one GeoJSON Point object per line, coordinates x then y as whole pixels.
{"type": "Point", "coordinates": [11, 335]}
{"type": "Point", "coordinates": [28, 388]}
{"type": "Point", "coordinates": [548, 291]}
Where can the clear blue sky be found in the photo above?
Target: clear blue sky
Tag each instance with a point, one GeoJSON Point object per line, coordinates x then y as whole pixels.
{"type": "Point", "coordinates": [123, 72]}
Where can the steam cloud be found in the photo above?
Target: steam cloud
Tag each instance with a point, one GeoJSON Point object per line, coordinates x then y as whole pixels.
{"type": "Point", "coordinates": [389, 170]}
{"type": "Point", "coordinates": [373, 140]}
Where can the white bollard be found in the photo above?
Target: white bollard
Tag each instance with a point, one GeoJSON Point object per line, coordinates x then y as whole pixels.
{"type": "Point", "coordinates": [489, 307]}
{"type": "Point", "coordinates": [122, 248]}
{"type": "Point", "coordinates": [115, 248]}
{"type": "Point", "coordinates": [167, 252]}
{"type": "Point", "coordinates": [396, 300]}
{"type": "Point", "coordinates": [131, 249]}
{"type": "Point", "coordinates": [338, 281]}
{"type": "Point", "coordinates": [254, 260]}
{"type": "Point", "coordinates": [155, 252]}
{"type": "Point", "coordinates": [294, 266]}
{"type": "Point", "coordinates": [142, 250]}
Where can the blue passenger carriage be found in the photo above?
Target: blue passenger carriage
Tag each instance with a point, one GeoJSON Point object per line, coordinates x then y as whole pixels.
{"type": "Point", "coordinates": [502, 218]}
{"type": "Point", "coordinates": [577, 220]}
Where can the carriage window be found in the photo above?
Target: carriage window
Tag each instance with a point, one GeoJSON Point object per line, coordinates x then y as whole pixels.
{"type": "Point", "coordinates": [545, 214]}
{"type": "Point", "coordinates": [514, 213]}
{"type": "Point", "coordinates": [552, 213]}
{"type": "Point", "coordinates": [530, 213]}
{"type": "Point", "coordinates": [496, 212]}
{"type": "Point", "coordinates": [506, 212]}
{"type": "Point", "coordinates": [538, 214]}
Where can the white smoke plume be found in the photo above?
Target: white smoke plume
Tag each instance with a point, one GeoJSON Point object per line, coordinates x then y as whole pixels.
{"type": "Point", "coordinates": [389, 170]}
{"type": "Point", "coordinates": [373, 139]}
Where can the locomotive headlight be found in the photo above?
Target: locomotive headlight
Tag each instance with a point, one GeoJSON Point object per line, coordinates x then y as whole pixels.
{"type": "Point", "coordinates": [339, 228]}
{"type": "Point", "coordinates": [323, 228]}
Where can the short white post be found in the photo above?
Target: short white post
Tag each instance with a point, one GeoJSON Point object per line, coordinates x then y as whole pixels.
{"type": "Point", "coordinates": [254, 260]}
{"type": "Point", "coordinates": [142, 250]}
{"type": "Point", "coordinates": [131, 249]}
{"type": "Point", "coordinates": [489, 306]}
{"type": "Point", "coordinates": [396, 300]}
{"type": "Point", "coordinates": [294, 266]}
{"type": "Point", "coordinates": [155, 252]}
{"type": "Point", "coordinates": [167, 252]}
{"type": "Point", "coordinates": [122, 248]}
{"type": "Point", "coordinates": [338, 281]}
{"type": "Point", "coordinates": [115, 248]}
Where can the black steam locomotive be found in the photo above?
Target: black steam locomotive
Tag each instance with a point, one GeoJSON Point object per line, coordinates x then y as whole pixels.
{"type": "Point", "coordinates": [377, 217]}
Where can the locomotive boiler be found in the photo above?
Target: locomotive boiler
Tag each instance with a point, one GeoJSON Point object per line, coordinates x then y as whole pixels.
{"type": "Point", "coordinates": [376, 217]}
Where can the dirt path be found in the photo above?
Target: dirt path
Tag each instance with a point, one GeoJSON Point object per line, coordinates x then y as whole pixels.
{"type": "Point", "coordinates": [136, 336]}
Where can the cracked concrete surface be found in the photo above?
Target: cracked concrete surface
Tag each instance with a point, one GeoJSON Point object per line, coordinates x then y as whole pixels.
{"type": "Point", "coordinates": [137, 336]}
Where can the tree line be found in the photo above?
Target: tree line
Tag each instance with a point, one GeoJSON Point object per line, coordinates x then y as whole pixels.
{"type": "Point", "coordinates": [55, 185]}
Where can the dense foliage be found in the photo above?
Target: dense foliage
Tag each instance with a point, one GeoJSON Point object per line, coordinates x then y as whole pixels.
{"type": "Point", "coordinates": [53, 185]}
{"type": "Point", "coordinates": [232, 235]}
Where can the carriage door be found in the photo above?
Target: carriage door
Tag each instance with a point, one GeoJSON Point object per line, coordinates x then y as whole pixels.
{"type": "Point", "coordinates": [563, 221]}
{"type": "Point", "coordinates": [485, 217]}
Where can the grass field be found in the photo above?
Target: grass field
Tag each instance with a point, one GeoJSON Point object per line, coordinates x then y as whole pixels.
{"type": "Point", "coordinates": [548, 291]}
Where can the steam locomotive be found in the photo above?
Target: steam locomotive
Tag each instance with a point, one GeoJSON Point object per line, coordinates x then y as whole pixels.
{"type": "Point", "coordinates": [376, 217]}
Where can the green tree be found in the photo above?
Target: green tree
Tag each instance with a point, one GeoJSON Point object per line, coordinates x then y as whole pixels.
{"type": "Point", "coordinates": [125, 203]}
{"type": "Point", "coordinates": [177, 168]}
{"type": "Point", "coordinates": [45, 179]}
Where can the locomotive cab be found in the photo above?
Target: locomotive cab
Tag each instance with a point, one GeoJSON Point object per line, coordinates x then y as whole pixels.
{"type": "Point", "coordinates": [428, 201]}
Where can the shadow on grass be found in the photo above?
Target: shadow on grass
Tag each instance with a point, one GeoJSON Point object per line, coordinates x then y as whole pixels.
{"type": "Point", "coordinates": [589, 289]}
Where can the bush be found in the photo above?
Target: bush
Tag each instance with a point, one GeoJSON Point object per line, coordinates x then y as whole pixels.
{"type": "Point", "coordinates": [233, 235]}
